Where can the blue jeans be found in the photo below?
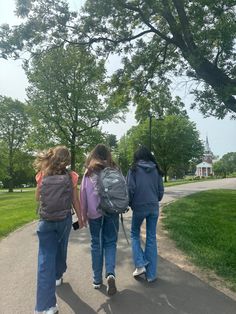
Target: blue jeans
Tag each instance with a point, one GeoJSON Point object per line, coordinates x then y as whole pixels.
{"type": "Point", "coordinates": [148, 256]}
{"type": "Point", "coordinates": [104, 235]}
{"type": "Point", "coordinates": [53, 241]}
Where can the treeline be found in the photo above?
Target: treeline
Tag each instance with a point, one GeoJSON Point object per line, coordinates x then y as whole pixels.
{"type": "Point", "coordinates": [226, 166]}
{"type": "Point", "coordinates": [70, 93]}
{"type": "Point", "coordinates": [68, 98]}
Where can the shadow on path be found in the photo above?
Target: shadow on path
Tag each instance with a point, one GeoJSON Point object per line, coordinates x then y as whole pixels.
{"type": "Point", "coordinates": [66, 293]}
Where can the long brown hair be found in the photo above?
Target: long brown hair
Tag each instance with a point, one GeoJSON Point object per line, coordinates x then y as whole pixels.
{"type": "Point", "coordinates": [99, 158]}
{"type": "Point", "coordinates": [53, 161]}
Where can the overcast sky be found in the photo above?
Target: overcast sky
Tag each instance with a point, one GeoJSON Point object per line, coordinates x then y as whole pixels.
{"type": "Point", "coordinates": [221, 133]}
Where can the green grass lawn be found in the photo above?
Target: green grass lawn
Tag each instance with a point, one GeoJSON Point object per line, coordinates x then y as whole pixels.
{"type": "Point", "coordinates": [16, 209]}
{"type": "Point", "coordinates": [185, 181]}
{"type": "Point", "coordinates": [204, 226]}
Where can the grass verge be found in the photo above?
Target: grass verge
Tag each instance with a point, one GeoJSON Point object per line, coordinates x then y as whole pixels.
{"type": "Point", "coordinates": [16, 209]}
{"type": "Point", "coordinates": [203, 225]}
{"type": "Point", "coordinates": [186, 181]}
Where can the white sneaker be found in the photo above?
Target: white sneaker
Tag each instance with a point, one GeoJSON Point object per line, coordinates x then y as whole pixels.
{"type": "Point", "coordinates": [52, 310]}
{"type": "Point", "coordinates": [97, 285]}
{"type": "Point", "coordinates": [151, 280]}
{"type": "Point", "coordinates": [139, 271]}
{"type": "Point", "coordinates": [111, 285]}
{"type": "Point", "coordinates": [59, 282]}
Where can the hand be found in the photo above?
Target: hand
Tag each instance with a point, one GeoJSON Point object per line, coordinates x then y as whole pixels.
{"type": "Point", "coordinates": [127, 209]}
{"type": "Point", "coordinates": [85, 222]}
{"type": "Point", "coordinates": [81, 223]}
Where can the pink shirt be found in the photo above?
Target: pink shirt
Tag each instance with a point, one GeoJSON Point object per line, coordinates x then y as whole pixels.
{"type": "Point", "coordinates": [73, 174]}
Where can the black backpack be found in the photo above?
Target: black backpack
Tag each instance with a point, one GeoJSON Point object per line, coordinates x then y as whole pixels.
{"type": "Point", "coordinates": [55, 197]}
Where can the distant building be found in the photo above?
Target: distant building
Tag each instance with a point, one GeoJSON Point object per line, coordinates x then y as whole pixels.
{"type": "Point", "coordinates": [204, 169]}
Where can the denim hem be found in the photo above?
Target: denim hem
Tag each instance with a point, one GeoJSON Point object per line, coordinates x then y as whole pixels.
{"type": "Point", "coordinates": [108, 274]}
{"type": "Point", "coordinates": [97, 282]}
{"type": "Point", "coordinates": [142, 265]}
{"type": "Point", "coordinates": [42, 310]}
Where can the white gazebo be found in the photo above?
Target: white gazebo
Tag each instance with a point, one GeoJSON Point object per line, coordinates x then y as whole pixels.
{"type": "Point", "coordinates": [204, 169]}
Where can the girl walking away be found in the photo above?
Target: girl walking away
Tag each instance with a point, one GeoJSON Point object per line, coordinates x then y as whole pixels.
{"type": "Point", "coordinates": [146, 189]}
{"type": "Point", "coordinates": [56, 192]}
{"type": "Point", "coordinates": [103, 228]}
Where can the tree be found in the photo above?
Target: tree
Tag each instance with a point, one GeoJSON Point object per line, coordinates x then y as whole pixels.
{"type": "Point", "coordinates": [66, 95]}
{"type": "Point", "coordinates": [3, 162]}
{"type": "Point", "coordinates": [226, 165]}
{"type": "Point", "coordinates": [13, 132]}
{"type": "Point", "coordinates": [125, 150]}
{"type": "Point", "coordinates": [229, 160]}
{"type": "Point", "coordinates": [111, 140]}
{"type": "Point", "coordinates": [161, 37]}
{"type": "Point", "coordinates": [158, 103]}
{"type": "Point", "coordinates": [23, 170]}
{"type": "Point", "coordinates": [219, 169]}
{"type": "Point", "coordinates": [175, 142]}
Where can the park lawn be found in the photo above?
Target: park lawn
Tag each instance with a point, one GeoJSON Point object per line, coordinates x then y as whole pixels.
{"type": "Point", "coordinates": [186, 181]}
{"type": "Point", "coordinates": [203, 225]}
{"type": "Point", "coordinates": [16, 209]}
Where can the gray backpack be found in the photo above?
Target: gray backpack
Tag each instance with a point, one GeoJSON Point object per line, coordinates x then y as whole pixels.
{"type": "Point", "coordinates": [55, 197]}
{"type": "Point", "coordinates": [113, 191]}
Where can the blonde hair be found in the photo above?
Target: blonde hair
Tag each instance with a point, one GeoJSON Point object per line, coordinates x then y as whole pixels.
{"type": "Point", "coordinates": [53, 161]}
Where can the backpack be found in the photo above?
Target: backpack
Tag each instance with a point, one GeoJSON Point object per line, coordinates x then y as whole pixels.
{"type": "Point", "coordinates": [113, 191]}
{"type": "Point", "coordinates": [55, 197]}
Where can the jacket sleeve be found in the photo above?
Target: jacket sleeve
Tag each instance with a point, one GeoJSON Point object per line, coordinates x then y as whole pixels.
{"type": "Point", "coordinates": [131, 185]}
{"type": "Point", "coordinates": [83, 197]}
{"type": "Point", "coordinates": [160, 187]}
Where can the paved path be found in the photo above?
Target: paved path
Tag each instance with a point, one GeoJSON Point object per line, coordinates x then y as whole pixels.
{"type": "Point", "coordinates": [175, 292]}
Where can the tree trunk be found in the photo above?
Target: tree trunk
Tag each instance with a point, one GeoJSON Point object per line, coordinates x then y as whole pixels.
{"type": "Point", "coordinates": [73, 152]}
{"type": "Point", "coordinates": [165, 177]}
{"type": "Point", "coordinates": [221, 83]}
{"type": "Point", "coordinates": [10, 171]}
{"type": "Point", "coordinates": [10, 185]}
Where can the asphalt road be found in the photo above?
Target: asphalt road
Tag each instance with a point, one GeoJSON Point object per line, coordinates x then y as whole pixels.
{"type": "Point", "coordinates": [175, 291]}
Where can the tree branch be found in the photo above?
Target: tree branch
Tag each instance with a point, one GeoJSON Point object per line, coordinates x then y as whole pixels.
{"type": "Point", "coordinates": [174, 28]}
{"type": "Point", "coordinates": [49, 119]}
{"type": "Point", "coordinates": [147, 22]}
{"type": "Point", "coordinates": [217, 56]}
{"type": "Point", "coordinates": [185, 23]}
{"type": "Point", "coordinates": [92, 125]}
{"type": "Point", "coordinates": [113, 41]}
{"type": "Point", "coordinates": [165, 53]}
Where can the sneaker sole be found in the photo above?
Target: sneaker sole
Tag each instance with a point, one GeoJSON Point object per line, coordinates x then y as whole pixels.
{"type": "Point", "coordinates": [59, 284]}
{"type": "Point", "coordinates": [98, 286]}
{"type": "Point", "coordinates": [111, 286]}
{"type": "Point", "coordinates": [135, 276]}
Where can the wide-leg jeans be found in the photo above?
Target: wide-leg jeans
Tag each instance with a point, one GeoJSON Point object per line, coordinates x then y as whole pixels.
{"type": "Point", "coordinates": [53, 242]}
{"type": "Point", "coordinates": [104, 235]}
{"type": "Point", "coordinates": [147, 257]}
